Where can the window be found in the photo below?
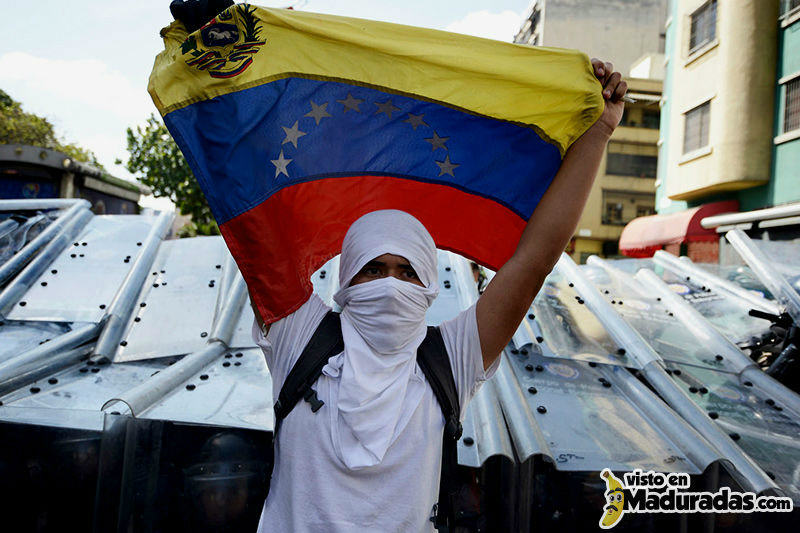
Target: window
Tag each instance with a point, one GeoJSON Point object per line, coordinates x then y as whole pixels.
{"type": "Point", "coordinates": [613, 213]}
{"type": "Point", "coordinates": [639, 160]}
{"type": "Point", "coordinates": [645, 210]}
{"type": "Point", "coordinates": [641, 118]}
{"type": "Point", "coordinates": [788, 6]}
{"type": "Point", "coordinates": [791, 111]}
{"type": "Point", "coordinates": [704, 25]}
{"type": "Point", "coordinates": [651, 118]}
{"type": "Point", "coordinates": [695, 133]}
{"type": "Point", "coordinates": [620, 207]}
{"type": "Point", "coordinates": [640, 166]}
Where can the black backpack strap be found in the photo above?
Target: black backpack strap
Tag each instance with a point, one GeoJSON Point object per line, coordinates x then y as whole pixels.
{"type": "Point", "coordinates": [325, 343]}
{"type": "Point", "coordinates": [434, 362]}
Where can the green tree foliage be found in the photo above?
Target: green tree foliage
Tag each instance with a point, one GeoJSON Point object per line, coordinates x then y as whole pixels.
{"type": "Point", "coordinates": [157, 162]}
{"type": "Point", "coordinates": [19, 127]}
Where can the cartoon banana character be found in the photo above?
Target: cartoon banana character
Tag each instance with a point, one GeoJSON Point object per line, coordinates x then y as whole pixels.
{"type": "Point", "coordinates": [616, 500]}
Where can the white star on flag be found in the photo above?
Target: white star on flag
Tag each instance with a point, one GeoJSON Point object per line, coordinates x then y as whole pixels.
{"type": "Point", "coordinates": [415, 120]}
{"type": "Point", "coordinates": [292, 134]}
{"type": "Point", "coordinates": [446, 167]}
{"type": "Point", "coordinates": [437, 142]}
{"type": "Point", "coordinates": [318, 112]}
{"type": "Point", "coordinates": [386, 107]}
{"type": "Point", "coordinates": [350, 103]}
{"type": "Point", "coordinates": [280, 164]}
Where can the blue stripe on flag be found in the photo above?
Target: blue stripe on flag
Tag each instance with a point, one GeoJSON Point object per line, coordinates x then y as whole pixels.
{"type": "Point", "coordinates": [245, 146]}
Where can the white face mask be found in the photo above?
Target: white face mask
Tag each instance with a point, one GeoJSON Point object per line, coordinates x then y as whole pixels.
{"type": "Point", "coordinates": [387, 313]}
{"type": "Point", "coordinates": [383, 324]}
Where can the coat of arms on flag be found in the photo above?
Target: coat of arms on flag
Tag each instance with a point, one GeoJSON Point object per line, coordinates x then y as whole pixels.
{"type": "Point", "coordinates": [224, 46]}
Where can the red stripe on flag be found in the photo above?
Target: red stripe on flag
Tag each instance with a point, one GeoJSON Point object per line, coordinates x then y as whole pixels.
{"type": "Point", "coordinates": [282, 241]}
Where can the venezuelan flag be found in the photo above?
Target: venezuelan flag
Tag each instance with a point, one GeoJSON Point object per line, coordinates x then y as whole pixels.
{"type": "Point", "coordinates": [295, 124]}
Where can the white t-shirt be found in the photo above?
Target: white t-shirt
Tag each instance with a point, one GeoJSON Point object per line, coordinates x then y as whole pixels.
{"type": "Point", "coordinates": [312, 490]}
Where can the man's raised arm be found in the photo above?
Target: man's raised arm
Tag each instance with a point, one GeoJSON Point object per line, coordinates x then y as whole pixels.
{"type": "Point", "coordinates": [506, 300]}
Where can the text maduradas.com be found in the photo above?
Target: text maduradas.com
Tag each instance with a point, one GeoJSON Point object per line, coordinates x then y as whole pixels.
{"type": "Point", "coordinates": [653, 492]}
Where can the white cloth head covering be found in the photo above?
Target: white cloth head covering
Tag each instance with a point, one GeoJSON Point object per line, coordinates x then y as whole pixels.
{"type": "Point", "coordinates": [383, 324]}
{"type": "Point", "coordinates": [388, 231]}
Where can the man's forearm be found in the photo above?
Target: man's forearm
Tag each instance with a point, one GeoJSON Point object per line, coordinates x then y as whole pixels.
{"type": "Point", "coordinates": [508, 296]}
{"type": "Point", "coordinates": [554, 221]}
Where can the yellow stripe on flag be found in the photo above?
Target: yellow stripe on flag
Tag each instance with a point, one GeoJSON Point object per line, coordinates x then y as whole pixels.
{"type": "Point", "coordinates": [552, 90]}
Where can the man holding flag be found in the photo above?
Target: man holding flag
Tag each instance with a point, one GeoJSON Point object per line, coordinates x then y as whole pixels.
{"type": "Point", "coordinates": [506, 188]}
{"type": "Point", "coordinates": [374, 464]}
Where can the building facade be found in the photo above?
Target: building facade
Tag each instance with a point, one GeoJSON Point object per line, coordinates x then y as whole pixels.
{"type": "Point", "coordinates": [628, 33]}
{"type": "Point", "coordinates": [730, 127]}
{"type": "Point", "coordinates": [620, 31]}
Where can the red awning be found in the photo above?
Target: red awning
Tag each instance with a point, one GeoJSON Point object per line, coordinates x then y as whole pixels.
{"type": "Point", "coordinates": [643, 236]}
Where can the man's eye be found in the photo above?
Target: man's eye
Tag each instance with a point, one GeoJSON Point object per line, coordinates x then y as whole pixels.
{"type": "Point", "coordinates": [411, 274]}
{"type": "Point", "coordinates": [372, 271]}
